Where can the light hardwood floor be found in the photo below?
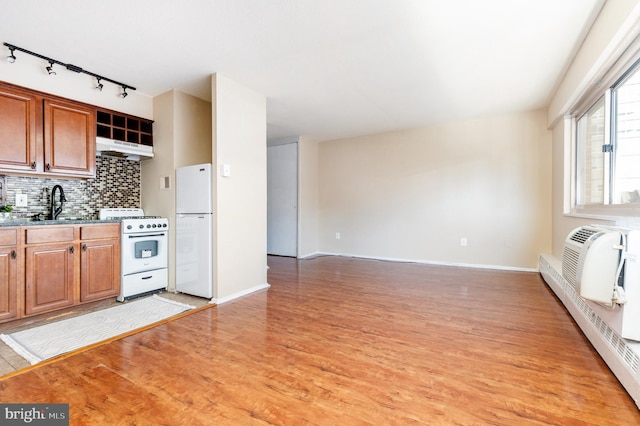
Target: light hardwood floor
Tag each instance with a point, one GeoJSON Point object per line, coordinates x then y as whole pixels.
{"type": "Point", "coordinates": [341, 341]}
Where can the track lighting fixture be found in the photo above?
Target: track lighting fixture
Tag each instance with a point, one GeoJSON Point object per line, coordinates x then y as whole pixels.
{"type": "Point", "coordinates": [50, 68]}
{"type": "Point", "coordinates": [12, 58]}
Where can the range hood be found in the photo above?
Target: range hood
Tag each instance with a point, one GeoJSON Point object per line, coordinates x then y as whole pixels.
{"type": "Point", "coordinates": [128, 150]}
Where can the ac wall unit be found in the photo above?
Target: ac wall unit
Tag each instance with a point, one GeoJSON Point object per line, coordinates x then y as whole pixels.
{"type": "Point", "coordinates": [590, 263]}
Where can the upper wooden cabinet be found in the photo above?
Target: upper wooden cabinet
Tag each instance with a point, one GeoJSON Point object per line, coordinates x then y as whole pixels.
{"type": "Point", "coordinates": [45, 135]}
{"type": "Point", "coordinates": [18, 130]}
{"type": "Point", "coordinates": [69, 139]}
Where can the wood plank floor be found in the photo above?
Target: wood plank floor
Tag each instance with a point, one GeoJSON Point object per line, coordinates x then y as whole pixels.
{"type": "Point", "coordinates": [340, 341]}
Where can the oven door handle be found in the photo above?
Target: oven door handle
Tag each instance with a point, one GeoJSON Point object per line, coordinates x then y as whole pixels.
{"type": "Point", "coordinates": [146, 235]}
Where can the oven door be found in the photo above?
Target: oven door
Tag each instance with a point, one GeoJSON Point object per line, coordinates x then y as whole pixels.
{"type": "Point", "coordinates": [144, 252]}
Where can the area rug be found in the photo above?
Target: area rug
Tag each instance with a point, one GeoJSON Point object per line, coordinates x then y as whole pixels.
{"type": "Point", "coordinates": [50, 340]}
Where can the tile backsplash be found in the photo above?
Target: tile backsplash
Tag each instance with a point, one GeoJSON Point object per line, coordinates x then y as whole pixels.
{"type": "Point", "coordinates": [117, 184]}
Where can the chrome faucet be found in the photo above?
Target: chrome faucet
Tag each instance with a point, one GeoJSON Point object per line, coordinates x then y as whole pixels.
{"type": "Point", "coordinates": [56, 211]}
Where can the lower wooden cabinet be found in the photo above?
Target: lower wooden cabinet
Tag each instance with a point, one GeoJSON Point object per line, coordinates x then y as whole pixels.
{"type": "Point", "coordinates": [49, 277]}
{"type": "Point", "coordinates": [8, 283]}
{"type": "Point", "coordinates": [99, 263]}
{"type": "Point", "coordinates": [51, 267]}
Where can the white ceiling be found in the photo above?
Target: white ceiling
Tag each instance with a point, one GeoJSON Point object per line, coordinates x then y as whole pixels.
{"type": "Point", "coordinates": [328, 68]}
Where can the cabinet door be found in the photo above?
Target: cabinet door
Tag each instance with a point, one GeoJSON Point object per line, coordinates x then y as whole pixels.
{"type": "Point", "coordinates": [69, 139]}
{"type": "Point", "coordinates": [99, 269]}
{"type": "Point", "coordinates": [8, 283]}
{"type": "Point", "coordinates": [49, 277]}
{"type": "Point", "coordinates": [17, 131]}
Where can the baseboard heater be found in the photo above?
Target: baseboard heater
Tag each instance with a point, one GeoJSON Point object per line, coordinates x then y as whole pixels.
{"type": "Point", "coordinates": [600, 325]}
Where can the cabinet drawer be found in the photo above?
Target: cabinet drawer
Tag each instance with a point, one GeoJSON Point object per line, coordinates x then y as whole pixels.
{"type": "Point", "coordinates": [49, 235]}
{"type": "Point", "coordinates": [8, 237]}
{"type": "Point", "coordinates": [96, 232]}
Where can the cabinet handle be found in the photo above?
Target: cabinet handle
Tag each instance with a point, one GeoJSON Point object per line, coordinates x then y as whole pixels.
{"type": "Point", "coordinates": [14, 254]}
{"type": "Point", "coordinates": [33, 165]}
{"type": "Point", "coordinates": [48, 167]}
{"type": "Point", "coordinates": [84, 247]}
{"type": "Point", "coordinates": [71, 249]}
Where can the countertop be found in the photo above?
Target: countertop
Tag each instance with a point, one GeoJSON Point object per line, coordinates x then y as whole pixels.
{"type": "Point", "coordinates": [63, 221]}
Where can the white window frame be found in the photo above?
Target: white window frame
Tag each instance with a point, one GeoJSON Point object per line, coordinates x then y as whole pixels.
{"type": "Point", "coordinates": [602, 88]}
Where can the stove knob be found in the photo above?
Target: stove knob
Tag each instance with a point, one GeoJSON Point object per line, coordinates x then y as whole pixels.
{"type": "Point", "coordinates": [141, 226]}
{"type": "Point", "coordinates": [153, 226]}
{"type": "Point", "coordinates": [164, 225]}
{"type": "Point", "coordinates": [129, 226]}
{"type": "Point", "coordinates": [148, 225]}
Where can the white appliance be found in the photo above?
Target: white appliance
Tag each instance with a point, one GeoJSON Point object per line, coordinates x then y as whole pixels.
{"type": "Point", "coordinates": [143, 251]}
{"type": "Point", "coordinates": [194, 230]}
{"type": "Point", "coordinates": [607, 272]}
{"type": "Point", "coordinates": [590, 261]}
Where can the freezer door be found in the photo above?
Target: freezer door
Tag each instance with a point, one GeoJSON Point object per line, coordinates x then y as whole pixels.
{"type": "Point", "coordinates": [194, 255]}
{"type": "Point", "coordinates": [193, 189]}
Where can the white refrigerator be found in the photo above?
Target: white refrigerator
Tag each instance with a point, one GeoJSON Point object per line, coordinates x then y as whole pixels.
{"type": "Point", "coordinates": [194, 230]}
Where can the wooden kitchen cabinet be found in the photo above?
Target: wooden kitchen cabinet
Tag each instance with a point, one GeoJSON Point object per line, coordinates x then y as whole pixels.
{"type": "Point", "coordinates": [8, 274]}
{"type": "Point", "coordinates": [49, 268]}
{"type": "Point", "coordinates": [99, 261]}
{"type": "Point", "coordinates": [69, 139]}
{"type": "Point", "coordinates": [45, 135]}
{"type": "Point", "coordinates": [44, 268]}
{"type": "Point", "coordinates": [17, 130]}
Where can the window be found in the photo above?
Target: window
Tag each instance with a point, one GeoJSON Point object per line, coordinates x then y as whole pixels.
{"type": "Point", "coordinates": [608, 146]}
{"type": "Point", "coordinates": [626, 177]}
{"type": "Point", "coordinates": [590, 135]}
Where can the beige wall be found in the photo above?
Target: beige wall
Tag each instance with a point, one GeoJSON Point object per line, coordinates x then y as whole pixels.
{"type": "Point", "coordinates": [412, 195]}
{"type": "Point", "coordinates": [307, 197]}
{"type": "Point", "coordinates": [240, 200]}
{"type": "Point", "coordinates": [182, 136]}
{"type": "Point", "coordinates": [192, 130]}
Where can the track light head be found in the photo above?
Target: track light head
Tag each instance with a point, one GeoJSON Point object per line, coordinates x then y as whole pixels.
{"type": "Point", "coordinates": [11, 58]}
{"type": "Point", "coordinates": [124, 93]}
{"type": "Point", "coordinates": [99, 86]}
{"type": "Point", "coordinates": [50, 68]}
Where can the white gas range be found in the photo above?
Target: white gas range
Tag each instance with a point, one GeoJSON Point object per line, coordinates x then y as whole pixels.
{"type": "Point", "coordinates": [143, 251]}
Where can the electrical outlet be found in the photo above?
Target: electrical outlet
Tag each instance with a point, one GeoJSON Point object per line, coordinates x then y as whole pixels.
{"type": "Point", "coordinates": [21, 200]}
{"type": "Point", "coordinates": [337, 235]}
{"type": "Point", "coordinates": [463, 242]}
